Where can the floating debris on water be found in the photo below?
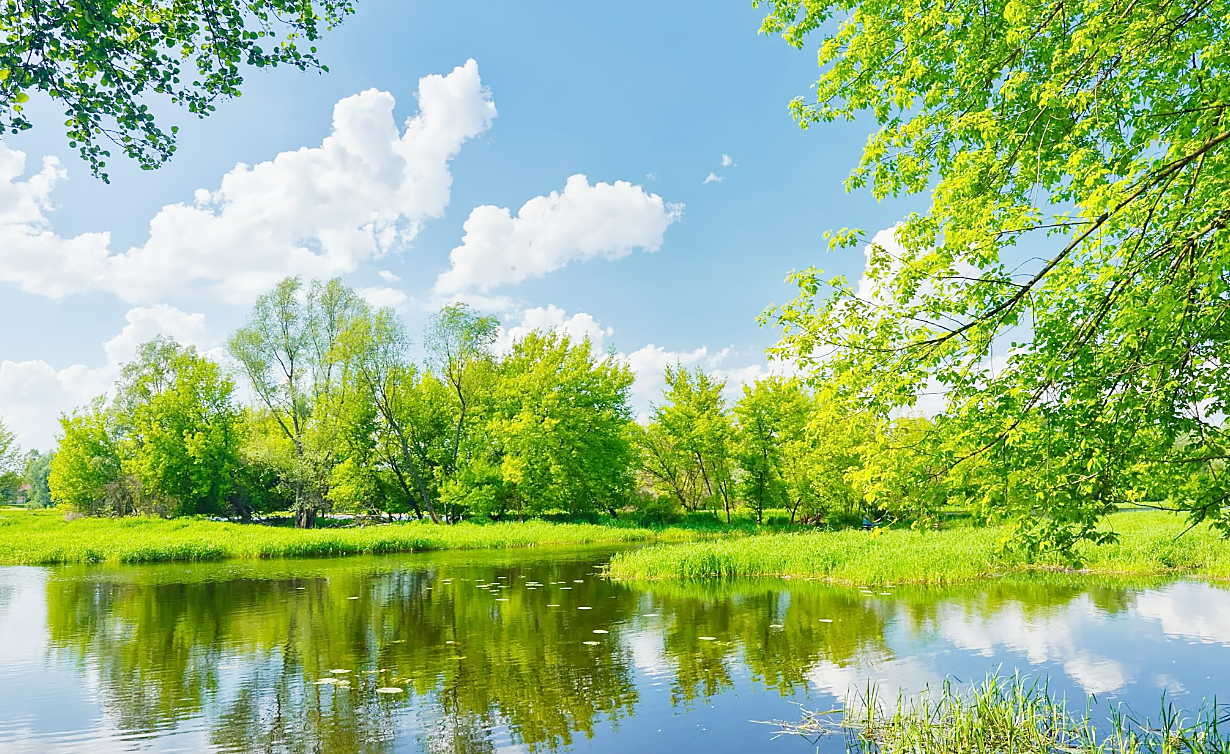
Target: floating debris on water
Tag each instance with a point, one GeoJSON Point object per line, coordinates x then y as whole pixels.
{"type": "Point", "coordinates": [707, 638]}
{"type": "Point", "coordinates": [585, 608]}
{"type": "Point", "coordinates": [390, 690]}
{"type": "Point", "coordinates": [590, 643]}
{"type": "Point", "coordinates": [601, 631]}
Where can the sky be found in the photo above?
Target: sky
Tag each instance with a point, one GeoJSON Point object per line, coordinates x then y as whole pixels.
{"type": "Point", "coordinates": [624, 171]}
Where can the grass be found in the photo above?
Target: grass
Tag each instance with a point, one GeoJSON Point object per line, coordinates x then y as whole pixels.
{"type": "Point", "coordinates": [1012, 716]}
{"type": "Point", "coordinates": [1149, 544]}
{"type": "Point", "coordinates": [45, 537]}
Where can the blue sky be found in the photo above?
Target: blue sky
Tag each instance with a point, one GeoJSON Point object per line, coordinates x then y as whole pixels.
{"type": "Point", "coordinates": [650, 95]}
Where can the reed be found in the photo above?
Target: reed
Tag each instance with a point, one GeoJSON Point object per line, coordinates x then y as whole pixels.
{"type": "Point", "coordinates": [1011, 716]}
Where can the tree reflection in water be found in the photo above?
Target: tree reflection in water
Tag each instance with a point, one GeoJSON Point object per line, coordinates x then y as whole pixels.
{"type": "Point", "coordinates": [472, 640]}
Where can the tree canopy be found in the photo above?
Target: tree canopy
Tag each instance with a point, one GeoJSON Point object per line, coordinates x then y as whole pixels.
{"type": "Point", "coordinates": [1067, 290]}
{"type": "Point", "coordinates": [103, 60]}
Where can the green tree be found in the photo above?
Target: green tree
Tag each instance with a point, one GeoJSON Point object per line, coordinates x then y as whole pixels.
{"type": "Point", "coordinates": [178, 427]}
{"type": "Point", "coordinates": [10, 478]}
{"type": "Point", "coordinates": [35, 472]}
{"type": "Point", "coordinates": [1078, 161]}
{"type": "Point", "coordinates": [458, 342]}
{"type": "Point", "coordinates": [559, 420]}
{"type": "Point", "coordinates": [103, 60]}
{"type": "Point", "coordinates": [376, 347]}
{"type": "Point", "coordinates": [771, 414]}
{"type": "Point", "coordinates": [287, 351]}
{"type": "Point", "coordinates": [691, 449]}
{"type": "Point", "coordinates": [86, 469]}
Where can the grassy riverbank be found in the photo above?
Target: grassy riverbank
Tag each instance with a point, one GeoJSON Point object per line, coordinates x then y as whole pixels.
{"type": "Point", "coordinates": [1147, 546]}
{"type": "Point", "coordinates": [44, 537]}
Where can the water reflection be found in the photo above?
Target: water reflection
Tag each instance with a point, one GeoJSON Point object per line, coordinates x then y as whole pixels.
{"type": "Point", "coordinates": [496, 651]}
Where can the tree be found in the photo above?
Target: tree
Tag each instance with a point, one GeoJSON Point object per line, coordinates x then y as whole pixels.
{"type": "Point", "coordinates": [690, 451]}
{"type": "Point", "coordinates": [178, 428]}
{"type": "Point", "coordinates": [287, 352]}
{"type": "Point", "coordinates": [86, 469]}
{"type": "Point", "coordinates": [1077, 153]}
{"type": "Point", "coordinates": [458, 342]}
{"type": "Point", "coordinates": [559, 423]}
{"type": "Point", "coordinates": [10, 478]}
{"type": "Point", "coordinates": [36, 471]}
{"type": "Point", "coordinates": [102, 60]}
{"type": "Point", "coordinates": [376, 347]}
{"type": "Point", "coordinates": [771, 415]}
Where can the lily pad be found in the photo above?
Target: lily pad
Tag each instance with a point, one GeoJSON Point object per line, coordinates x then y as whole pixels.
{"type": "Point", "coordinates": [390, 690]}
{"type": "Point", "coordinates": [590, 643]}
{"type": "Point", "coordinates": [601, 631]}
{"type": "Point", "coordinates": [707, 638]}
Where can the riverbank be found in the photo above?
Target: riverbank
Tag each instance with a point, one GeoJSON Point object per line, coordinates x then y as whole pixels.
{"type": "Point", "coordinates": [46, 538]}
{"type": "Point", "coordinates": [1149, 544]}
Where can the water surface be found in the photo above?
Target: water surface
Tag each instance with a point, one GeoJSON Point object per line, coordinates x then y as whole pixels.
{"type": "Point", "coordinates": [533, 650]}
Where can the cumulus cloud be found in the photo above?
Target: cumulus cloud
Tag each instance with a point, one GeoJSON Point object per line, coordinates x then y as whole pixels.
{"type": "Point", "coordinates": [727, 161]}
{"type": "Point", "coordinates": [319, 212]}
{"type": "Point", "coordinates": [389, 277]}
{"type": "Point", "coordinates": [34, 393]}
{"type": "Point", "coordinates": [554, 319]}
{"type": "Point", "coordinates": [580, 223]}
{"type": "Point", "coordinates": [381, 296]}
{"type": "Point", "coordinates": [713, 178]}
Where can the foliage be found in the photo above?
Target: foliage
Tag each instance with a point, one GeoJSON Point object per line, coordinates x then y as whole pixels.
{"type": "Point", "coordinates": [168, 443]}
{"type": "Point", "coordinates": [558, 422]}
{"type": "Point", "coordinates": [86, 461]}
{"type": "Point", "coordinates": [771, 417]}
{"type": "Point", "coordinates": [688, 446]}
{"type": "Point", "coordinates": [1078, 160]}
{"type": "Point", "coordinates": [36, 473]}
{"type": "Point", "coordinates": [103, 60]}
{"type": "Point", "coordinates": [288, 352]}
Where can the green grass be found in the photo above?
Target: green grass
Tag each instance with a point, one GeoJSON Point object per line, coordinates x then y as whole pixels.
{"type": "Point", "coordinates": [1149, 544]}
{"type": "Point", "coordinates": [1011, 715]}
{"type": "Point", "coordinates": [45, 537]}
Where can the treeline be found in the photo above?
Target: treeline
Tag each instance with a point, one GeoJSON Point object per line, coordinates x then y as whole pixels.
{"type": "Point", "coordinates": [339, 417]}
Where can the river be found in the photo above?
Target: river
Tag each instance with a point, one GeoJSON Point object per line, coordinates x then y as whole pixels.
{"type": "Point", "coordinates": [534, 650]}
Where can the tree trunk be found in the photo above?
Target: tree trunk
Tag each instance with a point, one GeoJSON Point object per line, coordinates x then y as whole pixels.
{"type": "Point", "coordinates": [305, 518]}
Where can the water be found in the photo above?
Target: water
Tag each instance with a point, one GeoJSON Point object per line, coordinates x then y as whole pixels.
{"type": "Point", "coordinates": [242, 657]}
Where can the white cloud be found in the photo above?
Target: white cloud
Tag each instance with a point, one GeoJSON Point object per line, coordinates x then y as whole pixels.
{"type": "Point", "coordinates": [382, 296]}
{"type": "Point", "coordinates": [318, 211]}
{"type": "Point", "coordinates": [1188, 610]}
{"type": "Point", "coordinates": [713, 178]}
{"type": "Point", "coordinates": [578, 224]}
{"type": "Point", "coordinates": [727, 161]}
{"type": "Point", "coordinates": [33, 394]}
{"type": "Point", "coordinates": [554, 319]}
{"type": "Point", "coordinates": [389, 277]}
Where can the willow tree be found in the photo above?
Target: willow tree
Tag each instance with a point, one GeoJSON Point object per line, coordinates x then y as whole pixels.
{"type": "Point", "coordinates": [287, 351]}
{"type": "Point", "coordinates": [1067, 290]}
{"type": "Point", "coordinates": [377, 350]}
{"type": "Point", "coordinates": [105, 61]}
